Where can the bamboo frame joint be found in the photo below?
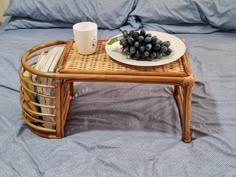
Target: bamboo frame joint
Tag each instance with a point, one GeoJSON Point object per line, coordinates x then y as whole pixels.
{"type": "Point", "coordinates": [188, 81]}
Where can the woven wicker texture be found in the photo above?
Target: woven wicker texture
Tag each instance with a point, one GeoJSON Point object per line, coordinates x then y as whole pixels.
{"type": "Point", "coordinates": [100, 62]}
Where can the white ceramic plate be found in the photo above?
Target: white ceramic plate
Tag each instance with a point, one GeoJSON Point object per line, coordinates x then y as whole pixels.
{"type": "Point", "coordinates": [177, 46]}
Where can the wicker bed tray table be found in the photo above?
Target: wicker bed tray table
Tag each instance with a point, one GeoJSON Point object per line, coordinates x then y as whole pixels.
{"type": "Point", "coordinates": [96, 67]}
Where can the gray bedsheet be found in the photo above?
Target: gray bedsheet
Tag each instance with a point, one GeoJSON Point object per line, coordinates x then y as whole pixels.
{"type": "Point", "coordinates": [125, 129]}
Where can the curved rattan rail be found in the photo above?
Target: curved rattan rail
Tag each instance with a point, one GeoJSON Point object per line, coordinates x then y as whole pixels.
{"type": "Point", "coordinates": [41, 122]}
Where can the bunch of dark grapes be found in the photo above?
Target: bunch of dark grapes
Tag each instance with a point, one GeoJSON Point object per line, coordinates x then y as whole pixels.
{"type": "Point", "coordinates": [143, 46]}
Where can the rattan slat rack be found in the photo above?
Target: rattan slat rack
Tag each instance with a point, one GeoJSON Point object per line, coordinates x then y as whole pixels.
{"type": "Point", "coordinates": [96, 67]}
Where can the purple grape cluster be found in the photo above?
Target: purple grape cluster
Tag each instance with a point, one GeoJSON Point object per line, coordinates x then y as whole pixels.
{"type": "Point", "coordinates": [143, 46]}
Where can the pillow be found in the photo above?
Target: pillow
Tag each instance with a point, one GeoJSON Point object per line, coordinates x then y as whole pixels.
{"type": "Point", "coordinates": [166, 12]}
{"type": "Point", "coordinates": [26, 23]}
{"type": "Point", "coordinates": [108, 14]}
{"type": "Point", "coordinates": [217, 13]}
{"type": "Point", "coordinates": [181, 28]}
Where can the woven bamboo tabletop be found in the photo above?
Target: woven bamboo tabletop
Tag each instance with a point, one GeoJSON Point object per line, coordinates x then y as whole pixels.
{"type": "Point", "coordinates": [101, 63]}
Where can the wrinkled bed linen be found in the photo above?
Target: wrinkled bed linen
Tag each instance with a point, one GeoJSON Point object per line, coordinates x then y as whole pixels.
{"type": "Point", "coordinates": [125, 129]}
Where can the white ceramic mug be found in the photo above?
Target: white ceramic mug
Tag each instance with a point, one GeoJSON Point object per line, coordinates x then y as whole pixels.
{"type": "Point", "coordinates": [85, 35]}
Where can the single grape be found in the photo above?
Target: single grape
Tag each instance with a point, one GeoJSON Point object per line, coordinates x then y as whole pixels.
{"type": "Point", "coordinates": [125, 33]}
{"type": "Point", "coordinates": [154, 40]}
{"type": "Point", "coordinates": [153, 55]}
{"type": "Point", "coordinates": [135, 35]}
{"type": "Point", "coordinates": [164, 49]}
{"type": "Point", "coordinates": [136, 44]}
{"type": "Point", "coordinates": [142, 32]}
{"type": "Point", "coordinates": [130, 40]}
{"type": "Point", "coordinates": [146, 54]}
{"type": "Point", "coordinates": [166, 43]}
{"type": "Point", "coordinates": [148, 47]}
{"type": "Point", "coordinates": [131, 33]}
{"type": "Point", "coordinates": [142, 48]}
{"type": "Point", "coordinates": [168, 52]}
{"type": "Point", "coordinates": [124, 42]}
{"type": "Point", "coordinates": [156, 47]}
{"type": "Point", "coordinates": [132, 50]}
{"type": "Point", "coordinates": [147, 39]}
{"type": "Point", "coordinates": [140, 39]}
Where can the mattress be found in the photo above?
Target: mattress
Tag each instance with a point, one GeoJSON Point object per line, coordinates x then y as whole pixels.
{"type": "Point", "coordinates": [125, 129]}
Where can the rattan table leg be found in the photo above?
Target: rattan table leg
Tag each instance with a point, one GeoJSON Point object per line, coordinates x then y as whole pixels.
{"type": "Point", "coordinates": [72, 89]}
{"type": "Point", "coordinates": [59, 129]}
{"type": "Point", "coordinates": [67, 88]}
{"type": "Point", "coordinates": [187, 101]}
{"type": "Point", "coordinates": [179, 100]}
